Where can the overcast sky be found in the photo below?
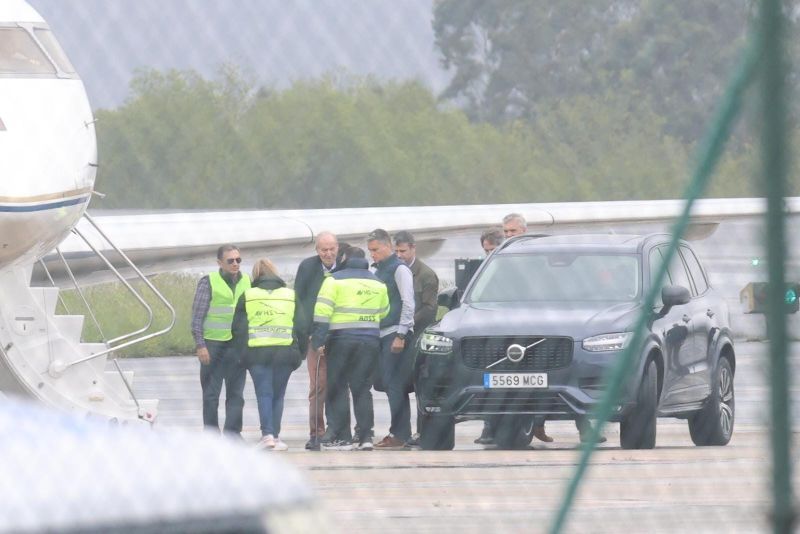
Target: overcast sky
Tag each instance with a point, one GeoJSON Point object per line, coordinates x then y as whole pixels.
{"type": "Point", "coordinates": [276, 40]}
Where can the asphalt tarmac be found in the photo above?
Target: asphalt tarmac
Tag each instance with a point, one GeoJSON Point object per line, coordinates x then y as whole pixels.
{"type": "Point", "coordinates": [676, 487]}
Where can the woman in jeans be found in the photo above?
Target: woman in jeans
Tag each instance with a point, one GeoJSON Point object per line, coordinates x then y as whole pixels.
{"type": "Point", "coordinates": [263, 329]}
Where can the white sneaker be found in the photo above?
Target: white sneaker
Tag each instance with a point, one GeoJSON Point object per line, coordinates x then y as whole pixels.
{"type": "Point", "coordinates": [280, 445]}
{"type": "Point", "coordinates": [266, 443]}
{"type": "Point", "coordinates": [365, 445]}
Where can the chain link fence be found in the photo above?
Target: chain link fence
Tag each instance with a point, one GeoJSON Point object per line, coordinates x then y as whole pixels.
{"type": "Point", "coordinates": [259, 104]}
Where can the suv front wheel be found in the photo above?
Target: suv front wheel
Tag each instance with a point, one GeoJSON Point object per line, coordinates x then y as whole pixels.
{"type": "Point", "coordinates": [437, 432]}
{"type": "Point", "coordinates": [638, 429]}
{"type": "Point", "coordinates": [513, 431]}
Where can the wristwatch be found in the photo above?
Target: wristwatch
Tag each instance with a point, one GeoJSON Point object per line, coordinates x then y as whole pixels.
{"type": "Point", "coordinates": [401, 336]}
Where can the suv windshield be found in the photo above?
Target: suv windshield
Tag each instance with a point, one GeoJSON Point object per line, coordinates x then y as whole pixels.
{"type": "Point", "coordinates": [567, 277]}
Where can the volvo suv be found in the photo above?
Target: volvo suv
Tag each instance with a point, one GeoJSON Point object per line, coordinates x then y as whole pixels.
{"type": "Point", "coordinates": [543, 321]}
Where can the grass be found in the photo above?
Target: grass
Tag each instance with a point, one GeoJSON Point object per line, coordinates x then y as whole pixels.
{"type": "Point", "coordinates": [118, 313]}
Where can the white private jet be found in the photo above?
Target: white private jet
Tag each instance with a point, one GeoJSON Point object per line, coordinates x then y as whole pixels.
{"type": "Point", "coordinates": [49, 158]}
{"type": "Point", "coordinates": [66, 473]}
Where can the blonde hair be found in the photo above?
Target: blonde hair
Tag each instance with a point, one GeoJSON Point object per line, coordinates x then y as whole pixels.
{"type": "Point", "coordinates": [262, 267]}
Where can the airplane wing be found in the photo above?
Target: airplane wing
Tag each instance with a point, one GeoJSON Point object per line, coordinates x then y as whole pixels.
{"type": "Point", "coordinates": [153, 237]}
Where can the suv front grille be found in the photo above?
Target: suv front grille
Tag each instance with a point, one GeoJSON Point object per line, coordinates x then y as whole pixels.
{"type": "Point", "coordinates": [552, 353]}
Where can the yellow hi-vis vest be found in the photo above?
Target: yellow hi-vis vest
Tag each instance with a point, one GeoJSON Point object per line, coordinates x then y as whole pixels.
{"type": "Point", "coordinates": [351, 303]}
{"type": "Point", "coordinates": [270, 316]}
{"type": "Point", "coordinates": [217, 326]}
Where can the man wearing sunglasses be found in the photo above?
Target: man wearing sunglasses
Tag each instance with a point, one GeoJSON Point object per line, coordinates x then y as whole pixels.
{"type": "Point", "coordinates": [212, 317]}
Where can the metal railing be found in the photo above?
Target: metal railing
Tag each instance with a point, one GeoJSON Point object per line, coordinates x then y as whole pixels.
{"type": "Point", "coordinates": [133, 337]}
{"type": "Point", "coordinates": [133, 291]}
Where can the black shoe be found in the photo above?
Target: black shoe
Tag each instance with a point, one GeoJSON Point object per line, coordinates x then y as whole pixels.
{"type": "Point", "coordinates": [413, 441]}
{"type": "Point", "coordinates": [313, 444]}
{"type": "Point", "coordinates": [586, 432]}
{"type": "Point", "coordinates": [486, 436]}
{"type": "Point", "coordinates": [357, 436]}
{"type": "Point", "coordinates": [337, 445]}
{"type": "Point", "coordinates": [600, 439]}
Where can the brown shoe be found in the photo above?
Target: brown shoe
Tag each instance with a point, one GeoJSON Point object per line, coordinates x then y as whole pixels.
{"type": "Point", "coordinates": [390, 443]}
{"type": "Point", "coordinates": [538, 432]}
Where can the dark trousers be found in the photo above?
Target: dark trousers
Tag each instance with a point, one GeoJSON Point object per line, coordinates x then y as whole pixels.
{"type": "Point", "coordinates": [396, 370]}
{"type": "Point", "coordinates": [224, 366]}
{"type": "Point", "coordinates": [351, 362]}
{"type": "Point", "coordinates": [270, 382]}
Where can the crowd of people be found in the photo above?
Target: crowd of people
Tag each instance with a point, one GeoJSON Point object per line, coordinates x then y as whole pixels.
{"type": "Point", "coordinates": [352, 320]}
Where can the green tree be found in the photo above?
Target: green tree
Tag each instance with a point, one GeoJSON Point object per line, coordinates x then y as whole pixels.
{"type": "Point", "coordinates": [184, 142]}
{"type": "Point", "coordinates": [514, 59]}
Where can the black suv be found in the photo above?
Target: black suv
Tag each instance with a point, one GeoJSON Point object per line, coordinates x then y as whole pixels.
{"type": "Point", "coordinates": [542, 322]}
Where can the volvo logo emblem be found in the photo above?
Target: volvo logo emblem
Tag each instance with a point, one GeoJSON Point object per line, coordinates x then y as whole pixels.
{"type": "Point", "coordinates": [515, 353]}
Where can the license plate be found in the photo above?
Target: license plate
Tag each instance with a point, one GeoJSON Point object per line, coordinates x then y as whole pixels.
{"type": "Point", "coordinates": [514, 380]}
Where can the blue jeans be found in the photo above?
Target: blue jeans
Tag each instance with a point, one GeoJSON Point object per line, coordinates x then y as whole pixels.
{"type": "Point", "coordinates": [224, 366]}
{"type": "Point", "coordinates": [396, 370]}
{"type": "Point", "coordinates": [270, 382]}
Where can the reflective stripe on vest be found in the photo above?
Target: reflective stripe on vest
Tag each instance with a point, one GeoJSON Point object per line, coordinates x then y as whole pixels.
{"type": "Point", "coordinates": [217, 325]}
{"type": "Point", "coordinates": [351, 303]}
{"type": "Point", "coordinates": [270, 316]}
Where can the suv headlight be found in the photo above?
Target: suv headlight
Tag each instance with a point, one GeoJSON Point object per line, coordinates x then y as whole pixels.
{"type": "Point", "coordinates": [607, 342]}
{"type": "Point", "coordinates": [433, 343]}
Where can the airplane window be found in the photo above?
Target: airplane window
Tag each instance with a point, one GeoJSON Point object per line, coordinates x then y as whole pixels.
{"type": "Point", "coordinates": [19, 54]}
{"type": "Point", "coordinates": [52, 47]}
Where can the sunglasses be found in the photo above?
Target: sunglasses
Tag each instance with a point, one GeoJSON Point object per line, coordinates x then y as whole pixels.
{"type": "Point", "coordinates": [231, 260]}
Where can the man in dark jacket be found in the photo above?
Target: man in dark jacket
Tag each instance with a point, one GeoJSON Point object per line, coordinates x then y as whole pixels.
{"type": "Point", "coordinates": [310, 274]}
{"type": "Point", "coordinates": [395, 360]}
{"type": "Point", "coordinates": [426, 291]}
{"type": "Point", "coordinates": [350, 306]}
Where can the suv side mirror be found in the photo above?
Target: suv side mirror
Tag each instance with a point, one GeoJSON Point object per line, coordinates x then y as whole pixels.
{"type": "Point", "coordinates": [449, 298]}
{"type": "Point", "coordinates": [674, 296]}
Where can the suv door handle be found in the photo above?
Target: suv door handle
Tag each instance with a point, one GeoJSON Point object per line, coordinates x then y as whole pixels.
{"type": "Point", "coordinates": [710, 313]}
{"type": "Point", "coordinates": [686, 318]}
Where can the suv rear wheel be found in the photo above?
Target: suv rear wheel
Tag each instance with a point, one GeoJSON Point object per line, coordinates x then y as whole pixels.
{"type": "Point", "coordinates": [638, 429]}
{"type": "Point", "coordinates": [713, 424]}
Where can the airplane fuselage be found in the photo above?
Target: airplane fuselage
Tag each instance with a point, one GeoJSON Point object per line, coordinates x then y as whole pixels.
{"type": "Point", "coordinates": [48, 149]}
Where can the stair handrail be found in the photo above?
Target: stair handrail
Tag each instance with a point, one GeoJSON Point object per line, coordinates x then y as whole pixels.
{"type": "Point", "coordinates": [53, 282]}
{"type": "Point", "coordinates": [130, 288]}
{"type": "Point", "coordinates": [78, 288]}
{"type": "Point", "coordinates": [144, 279]}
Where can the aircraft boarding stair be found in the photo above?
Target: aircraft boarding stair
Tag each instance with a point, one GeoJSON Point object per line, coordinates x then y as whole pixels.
{"type": "Point", "coordinates": [42, 356]}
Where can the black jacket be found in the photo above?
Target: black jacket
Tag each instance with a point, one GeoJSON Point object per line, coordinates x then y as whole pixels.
{"type": "Point", "coordinates": [306, 286]}
{"type": "Point", "coordinates": [264, 355]}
